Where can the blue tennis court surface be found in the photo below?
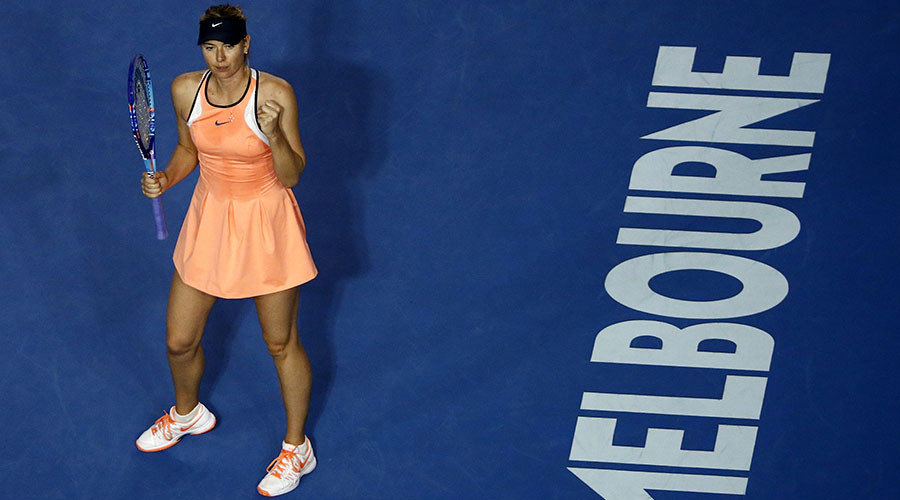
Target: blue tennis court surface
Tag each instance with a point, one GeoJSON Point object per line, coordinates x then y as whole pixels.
{"type": "Point", "coordinates": [567, 250]}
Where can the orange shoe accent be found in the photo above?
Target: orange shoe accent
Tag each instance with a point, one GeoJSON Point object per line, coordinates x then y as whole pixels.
{"type": "Point", "coordinates": [163, 425]}
{"type": "Point", "coordinates": [276, 467]}
{"type": "Point", "coordinates": [184, 429]}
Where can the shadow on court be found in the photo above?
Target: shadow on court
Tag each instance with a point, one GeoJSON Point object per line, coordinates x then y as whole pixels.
{"type": "Point", "coordinates": [341, 106]}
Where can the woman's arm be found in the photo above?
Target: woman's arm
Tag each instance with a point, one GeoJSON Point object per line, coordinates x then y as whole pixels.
{"type": "Point", "coordinates": [278, 120]}
{"type": "Point", "coordinates": [184, 158]}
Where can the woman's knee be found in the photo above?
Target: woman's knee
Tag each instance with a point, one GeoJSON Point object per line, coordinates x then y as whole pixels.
{"type": "Point", "coordinates": [278, 345]}
{"type": "Point", "coordinates": [277, 349]}
{"type": "Point", "coordinates": [182, 345]}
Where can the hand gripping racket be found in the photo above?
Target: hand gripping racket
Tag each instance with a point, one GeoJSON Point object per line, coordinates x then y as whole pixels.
{"type": "Point", "coordinates": [143, 124]}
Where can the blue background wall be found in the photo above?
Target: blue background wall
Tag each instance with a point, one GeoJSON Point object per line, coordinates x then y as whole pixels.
{"type": "Point", "coordinates": [468, 164]}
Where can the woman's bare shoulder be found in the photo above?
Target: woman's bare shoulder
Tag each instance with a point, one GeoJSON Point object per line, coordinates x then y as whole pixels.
{"type": "Point", "coordinates": [184, 86]}
{"type": "Point", "coordinates": [274, 87]}
{"type": "Point", "coordinates": [187, 81]}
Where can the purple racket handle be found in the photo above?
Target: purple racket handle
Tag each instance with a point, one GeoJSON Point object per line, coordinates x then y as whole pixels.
{"type": "Point", "coordinates": [161, 232]}
{"type": "Point", "coordinates": [158, 214]}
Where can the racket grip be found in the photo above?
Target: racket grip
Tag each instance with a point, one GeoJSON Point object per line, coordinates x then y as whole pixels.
{"type": "Point", "coordinates": [158, 215]}
{"type": "Point", "coordinates": [161, 232]}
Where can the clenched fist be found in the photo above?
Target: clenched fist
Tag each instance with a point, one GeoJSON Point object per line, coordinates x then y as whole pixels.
{"type": "Point", "coordinates": [154, 186]}
{"type": "Point", "coordinates": [268, 115]}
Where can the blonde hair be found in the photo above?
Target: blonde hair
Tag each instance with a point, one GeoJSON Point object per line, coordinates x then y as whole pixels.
{"type": "Point", "coordinates": [223, 12]}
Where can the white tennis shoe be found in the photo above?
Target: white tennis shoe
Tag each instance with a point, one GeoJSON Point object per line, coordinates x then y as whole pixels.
{"type": "Point", "coordinates": [166, 432]}
{"type": "Point", "coordinates": [285, 471]}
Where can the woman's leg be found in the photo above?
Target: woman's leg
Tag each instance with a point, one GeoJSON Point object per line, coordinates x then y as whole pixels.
{"type": "Point", "coordinates": [278, 318]}
{"type": "Point", "coordinates": [185, 318]}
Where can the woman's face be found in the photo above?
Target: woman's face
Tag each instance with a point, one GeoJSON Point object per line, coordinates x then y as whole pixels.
{"type": "Point", "coordinates": [223, 59]}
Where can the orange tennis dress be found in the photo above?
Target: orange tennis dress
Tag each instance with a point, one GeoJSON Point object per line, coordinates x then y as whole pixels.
{"type": "Point", "coordinates": [243, 234]}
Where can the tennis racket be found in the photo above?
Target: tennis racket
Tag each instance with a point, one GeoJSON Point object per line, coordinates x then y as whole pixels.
{"type": "Point", "coordinates": [143, 124]}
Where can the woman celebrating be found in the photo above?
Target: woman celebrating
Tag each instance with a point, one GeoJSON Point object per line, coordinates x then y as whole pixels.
{"type": "Point", "coordinates": [243, 235]}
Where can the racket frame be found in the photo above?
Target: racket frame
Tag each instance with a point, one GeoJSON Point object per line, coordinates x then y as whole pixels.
{"type": "Point", "coordinates": [148, 152]}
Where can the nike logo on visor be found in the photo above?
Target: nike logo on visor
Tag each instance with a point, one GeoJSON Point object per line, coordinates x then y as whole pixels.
{"type": "Point", "coordinates": [216, 24]}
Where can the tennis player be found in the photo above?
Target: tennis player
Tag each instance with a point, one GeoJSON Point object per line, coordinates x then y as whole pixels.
{"type": "Point", "coordinates": [243, 235]}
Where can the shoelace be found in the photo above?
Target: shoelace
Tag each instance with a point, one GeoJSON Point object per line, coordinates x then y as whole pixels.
{"type": "Point", "coordinates": [163, 425]}
{"type": "Point", "coordinates": [276, 468]}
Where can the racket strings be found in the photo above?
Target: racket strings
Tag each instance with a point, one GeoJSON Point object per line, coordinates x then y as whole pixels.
{"type": "Point", "coordinates": [142, 107]}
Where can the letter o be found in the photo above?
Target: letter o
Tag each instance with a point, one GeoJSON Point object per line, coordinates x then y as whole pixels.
{"type": "Point", "coordinates": [763, 286]}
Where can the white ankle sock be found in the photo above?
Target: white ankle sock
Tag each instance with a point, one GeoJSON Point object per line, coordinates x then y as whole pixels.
{"type": "Point", "coordinates": [299, 449]}
{"type": "Point", "coordinates": [182, 419]}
